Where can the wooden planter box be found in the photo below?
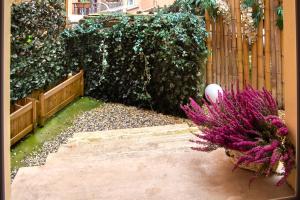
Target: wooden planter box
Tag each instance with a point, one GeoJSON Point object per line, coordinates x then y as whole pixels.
{"type": "Point", "coordinates": [60, 96]}
{"type": "Point", "coordinates": [23, 119]}
{"type": "Point", "coordinates": [255, 167]}
{"type": "Point", "coordinates": [28, 112]}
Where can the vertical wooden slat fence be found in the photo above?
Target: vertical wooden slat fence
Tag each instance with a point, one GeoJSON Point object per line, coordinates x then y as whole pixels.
{"type": "Point", "coordinates": [209, 69]}
{"type": "Point", "coordinates": [254, 61]}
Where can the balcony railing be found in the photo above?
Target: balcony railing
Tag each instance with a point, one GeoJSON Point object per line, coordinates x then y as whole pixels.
{"type": "Point", "coordinates": [94, 7]}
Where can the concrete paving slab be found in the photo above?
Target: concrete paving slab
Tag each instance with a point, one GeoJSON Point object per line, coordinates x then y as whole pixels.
{"type": "Point", "coordinates": [166, 170]}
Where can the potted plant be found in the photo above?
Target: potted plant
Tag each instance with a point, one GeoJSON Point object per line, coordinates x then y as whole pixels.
{"type": "Point", "coordinates": [246, 124]}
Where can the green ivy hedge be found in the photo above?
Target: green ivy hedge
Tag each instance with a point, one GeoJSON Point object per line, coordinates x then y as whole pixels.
{"type": "Point", "coordinates": [37, 51]}
{"type": "Point", "coordinates": [155, 61]}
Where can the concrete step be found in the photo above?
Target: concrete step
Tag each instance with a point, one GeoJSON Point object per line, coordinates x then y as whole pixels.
{"type": "Point", "coordinates": [146, 163]}
{"type": "Point", "coordinates": [109, 145]}
{"type": "Point", "coordinates": [110, 148]}
{"type": "Point", "coordinates": [133, 132]}
{"type": "Point", "coordinates": [172, 175]}
{"type": "Point", "coordinates": [150, 139]}
{"type": "Point", "coordinates": [57, 161]}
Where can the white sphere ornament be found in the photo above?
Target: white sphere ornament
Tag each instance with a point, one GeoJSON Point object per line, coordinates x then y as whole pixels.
{"type": "Point", "coordinates": [212, 92]}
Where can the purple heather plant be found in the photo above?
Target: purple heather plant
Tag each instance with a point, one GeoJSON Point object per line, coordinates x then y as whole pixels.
{"type": "Point", "coordinates": [246, 121]}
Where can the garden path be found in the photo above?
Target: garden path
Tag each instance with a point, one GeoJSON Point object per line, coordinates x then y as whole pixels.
{"type": "Point", "coordinates": [139, 163]}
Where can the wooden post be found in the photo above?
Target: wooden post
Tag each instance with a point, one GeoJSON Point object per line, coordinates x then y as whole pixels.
{"type": "Point", "coordinates": [227, 55]}
{"type": "Point", "coordinates": [239, 43]}
{"type": "Point", "coordinates": [233, 44]}
{"type": "Point", "coordinates": [5, 26]}
{"type": "Point", "coordinates": [267, 45]}
{"type": "Point", "coordinates": [260, 67]}
{"type": "Point", "coordinates": [222, 51]}
{"type": "Point", "coordinates": [34, 113]}
{"type": "Point", "coordinates": [290, 78]}
{"type": "Point", "coordinates": [274, 64]}
{"type": "Point", "coordinates": [279, 71]}
{"type": "Point", "coordinates": [42, 109]}
{"type": "Point", "coordinates": [282, 68]}
{"type": "Point", "coordinates": [246, 60]}
{"type": "Point", "coordinates": [81, 84]}
{"type": "Point", "coordinates": [214, 52]}
{"type": "Point", "coordinates": [254, 65]}
{"type": "Point", "coordinates": [218, 64]}
{"type": "Point", "coordinates": [209, 48]}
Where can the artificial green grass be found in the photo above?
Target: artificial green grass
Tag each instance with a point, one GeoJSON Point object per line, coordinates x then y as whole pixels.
{"type": "Point", "coordinates": [51, 129]}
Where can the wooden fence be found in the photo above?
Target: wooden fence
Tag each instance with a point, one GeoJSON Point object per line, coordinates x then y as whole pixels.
{"type": "Point", "coordinates": [236, 57]}
{"type": "Point", "coordinates": [28, 112]}
{"type": "Point", "coordinates": [59, 96]}
{"type": "Point", "coordinates": [23, 120]}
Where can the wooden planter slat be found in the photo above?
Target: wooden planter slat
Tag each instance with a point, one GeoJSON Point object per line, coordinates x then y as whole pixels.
{"type": "Point", "coordinates": [60, 96]}
{"type": "Point", "coordinates": [24, 119]}
{"type": "Point", "coordinates": [62, 85]}
{"type": "Point", "coordinates": [21, 111]}
{"type": "Point", "coordinates": [21, 134]}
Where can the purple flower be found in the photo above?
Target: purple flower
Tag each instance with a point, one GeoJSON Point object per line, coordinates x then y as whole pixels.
{"type": "Point", "coordinates": [246, 121]}
{"type": "Point", "coordinates": [283, 131]}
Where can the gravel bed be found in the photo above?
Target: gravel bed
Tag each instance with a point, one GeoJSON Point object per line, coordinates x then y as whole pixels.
{"type": "Point", "coordinates": [107, 117]}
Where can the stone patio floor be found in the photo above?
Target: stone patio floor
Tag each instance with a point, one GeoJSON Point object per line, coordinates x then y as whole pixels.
{"type": "Point", "coordinates": [142, 163]}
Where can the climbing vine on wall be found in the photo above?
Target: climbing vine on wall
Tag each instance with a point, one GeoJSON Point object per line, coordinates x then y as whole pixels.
{"type": "Point", "coordinates": [37, 52]}
{"type": "Point", "coordinates": [155, 61]}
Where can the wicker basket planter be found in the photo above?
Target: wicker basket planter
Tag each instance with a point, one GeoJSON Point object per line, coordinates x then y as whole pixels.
{"type": "Point", "coordinates": [246, 124]}
{"type": "Point", "coordinates": [235, 155]}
